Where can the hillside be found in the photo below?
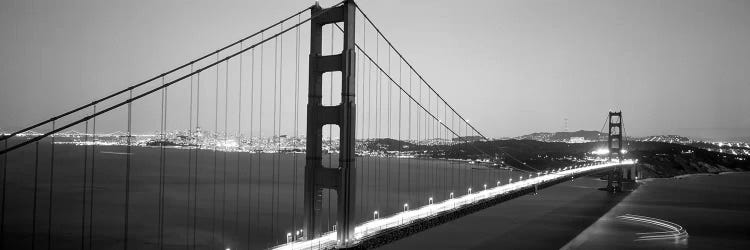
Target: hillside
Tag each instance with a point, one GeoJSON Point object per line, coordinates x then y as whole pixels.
{"type": "Point", "coordinates": [656, 159]}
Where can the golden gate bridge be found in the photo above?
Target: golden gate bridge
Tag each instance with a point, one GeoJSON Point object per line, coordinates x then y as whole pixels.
{"type": "Point", "coordinates": [243, 159]}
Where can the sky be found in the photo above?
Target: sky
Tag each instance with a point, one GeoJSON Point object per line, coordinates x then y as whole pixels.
{"type": "Point", "coordinates": [511, 67]}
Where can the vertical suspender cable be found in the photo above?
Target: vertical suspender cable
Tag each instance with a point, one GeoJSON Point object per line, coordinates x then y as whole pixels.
{"type": "Point", "coordinates": [388, 158]}
{"type": "Point", "coordinates": [250, 149]}
{"type": "Point", "coordinates": [164, 168]}
{"type": "Point", "coordinates": [190, 162]}
{"type": "Point", "coordinates": [408, 161]}
{"type": "Point", "coordinates": [161, 168]}
{"type": "Point", "coordinates": [127, 170]}
{"type": "Point", "coordinates": [214, 137]}
{"type": "Point", "coordinates": [429, 132]}
{"type": "Point", "coordinates": [296, 129]}
{"type": "Point", "coordinates": [367, 119]}
{"type": "Point", "coordinates": [281, 106]}
{"type": "Point", "coordinates": [398, 189]}
{"type": "Point", "coordinates": [462, 169]}
{"type": "Point", "coordinates": [455, 180]}
{"type": "Point", "coordinates": [260, 133]}
{"type": "Point", "coordinates": [274, 137]}
{"type": "Point", "coordinates": [91, 192]}
{"type": "Point", "coordinates": [197, 152]}
{"type": "Point", "coordinates": [51, 188]}
{"type": "Point", "coordinates": [379, 120]}
{"type": "Point", "coordinates": [421, 175]}
{"type": "Point", "coordinates": [83, 191]}
{"type": "Point", "coordinates": [239, 148]}
{"type": "Point", "coordinates": [448, 144]}
{"type": "Point", "coordinates": [36, 187]}
{"type": "Point", "coordinates": [435, 165]}
{"type": "Point", "coordinates": [278, 143]}
{"type": "Point", "coordinates": [250, 141]}
{"type": "Point", "coordinates": [225, 148]}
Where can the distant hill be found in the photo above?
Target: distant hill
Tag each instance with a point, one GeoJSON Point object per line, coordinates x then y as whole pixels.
{"type": "Point", "coordinates": [588, 135]}
{"type": "Point", "coordinates": [656, 158]}
{"type": "Point", "coordinates": [539, 136]}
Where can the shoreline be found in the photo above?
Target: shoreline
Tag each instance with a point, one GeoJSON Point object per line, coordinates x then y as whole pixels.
{"type": "Point", "coordinates": [683, 176]}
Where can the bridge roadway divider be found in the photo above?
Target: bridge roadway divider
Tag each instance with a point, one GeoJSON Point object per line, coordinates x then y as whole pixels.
{"type": "Point", "coordinates": [392, 234]}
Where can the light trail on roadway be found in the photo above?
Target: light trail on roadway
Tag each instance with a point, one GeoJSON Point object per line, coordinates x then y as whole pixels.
{"type": "Point", "coordinates": [373, 227]}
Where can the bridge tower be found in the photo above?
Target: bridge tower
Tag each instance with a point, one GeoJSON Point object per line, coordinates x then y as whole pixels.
{"type": "Point", "coordinates": [614, 142]}
{"type": "Point", "coordinates": [341, 179]}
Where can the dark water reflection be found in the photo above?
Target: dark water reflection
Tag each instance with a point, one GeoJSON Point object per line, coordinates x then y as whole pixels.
{"type": "Point", "coordinates": [714, 209]}
{"type": "Point", "coordinates": [242, 199]}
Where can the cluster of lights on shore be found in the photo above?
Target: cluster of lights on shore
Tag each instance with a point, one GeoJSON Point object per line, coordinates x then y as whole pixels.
{"type": "Point", "coordinates": [329, 238]}
{"type": "Point", "coordinates": [604, 151]}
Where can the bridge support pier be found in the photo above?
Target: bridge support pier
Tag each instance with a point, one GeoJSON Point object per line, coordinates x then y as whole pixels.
{"type": "Point", "coordinates": [614, 143]}
{"type": "Point", "coordinates": [620, 175]}
{"type": "Point", "coordinates": [319, 177]}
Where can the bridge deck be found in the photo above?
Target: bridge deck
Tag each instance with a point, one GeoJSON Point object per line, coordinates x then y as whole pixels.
{"type": "Point", "coordinates": [372, 228]}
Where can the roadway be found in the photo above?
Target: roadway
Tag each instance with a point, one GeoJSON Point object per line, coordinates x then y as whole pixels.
{"type": "Point", "coordinates": [372, 228]}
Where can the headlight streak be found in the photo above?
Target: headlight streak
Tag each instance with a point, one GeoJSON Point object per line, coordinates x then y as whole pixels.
{"type": "Point", "coordinates": [370, 228]}
{"type": "Point", "coordinates": [672, 231]}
